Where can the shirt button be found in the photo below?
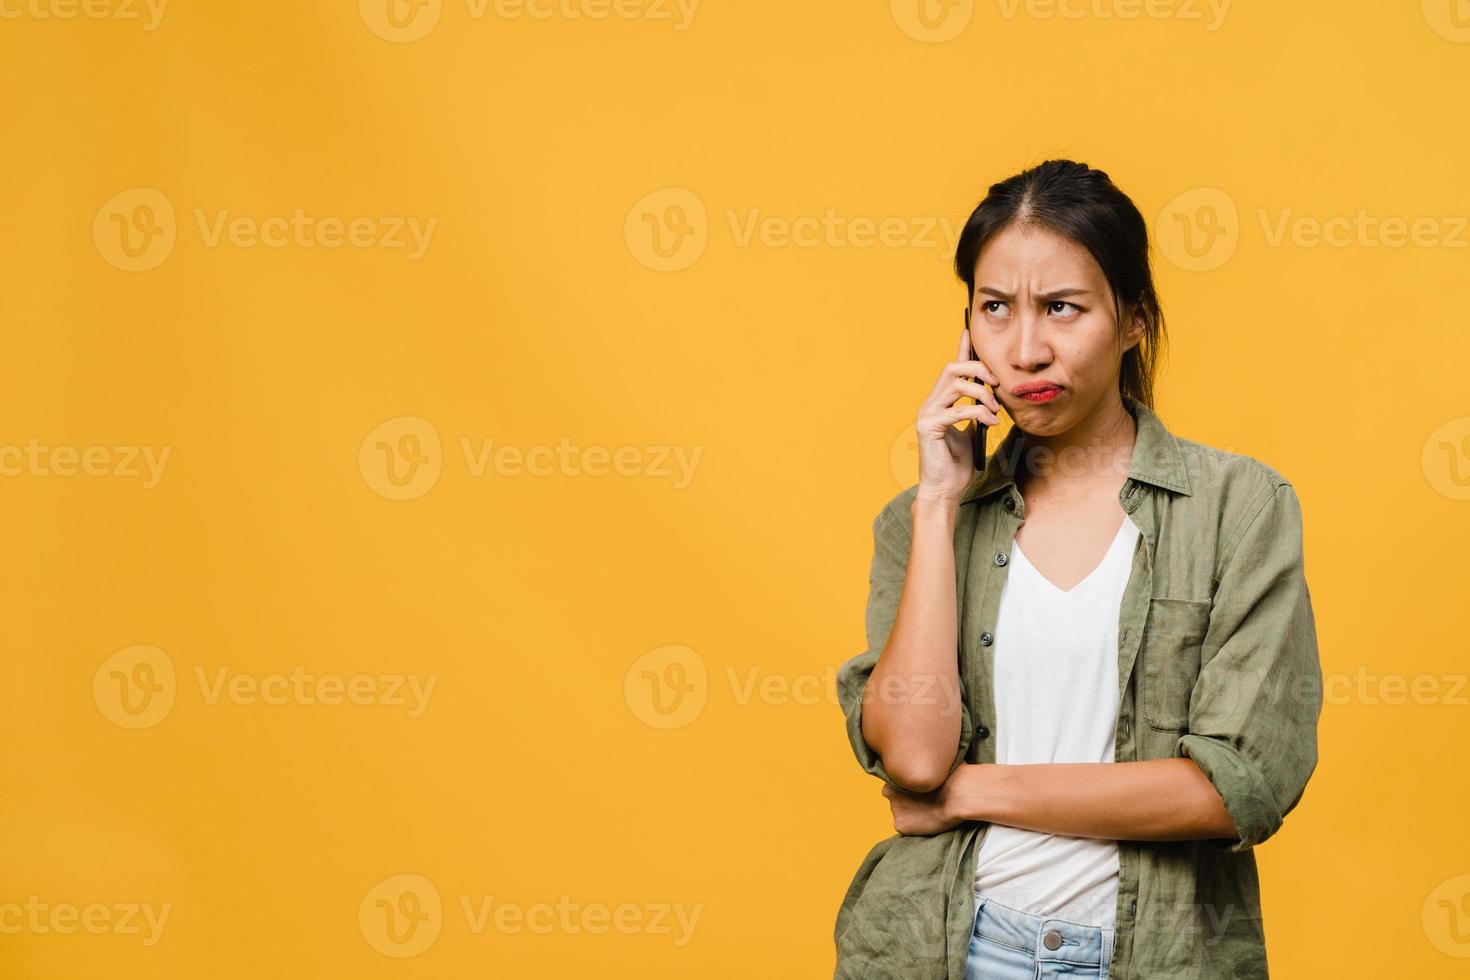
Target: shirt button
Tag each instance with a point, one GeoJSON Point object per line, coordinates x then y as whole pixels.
{"type": "Point", "coordinates": [1052, 939]}
{"type": "Point", "coordinates": [1010, 503]}
{"type": "Point", "coordinates": [1000, 559]}
{"type": "Point", "coordinates": [986, 639]}
{"type": "Point", "coordinates": [982, 731]}
{"type": "Point", "coordinates": [1133, 905]}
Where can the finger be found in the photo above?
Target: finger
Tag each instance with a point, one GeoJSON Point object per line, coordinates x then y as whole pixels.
{"type": "Point", "coordinates": [959, 412]}
{"type": "Point", "coordinates": [956, 413]}
{"type": "Point", "coordinates": [965, 357]}
{"type": "Point", "coordinates": [946, 394]}
{"type": "Point", "coordinates": [979, 392]}
{"type": "Point", "coordinates": [973, 368]}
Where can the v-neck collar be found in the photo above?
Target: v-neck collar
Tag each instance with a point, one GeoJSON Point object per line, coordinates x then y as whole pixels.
{"type": "Point", "coordinates": [1077, 592]}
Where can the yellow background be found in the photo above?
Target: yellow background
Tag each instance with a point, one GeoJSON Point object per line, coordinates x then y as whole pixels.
{"type": "Point", "coordinates": [547, 150]}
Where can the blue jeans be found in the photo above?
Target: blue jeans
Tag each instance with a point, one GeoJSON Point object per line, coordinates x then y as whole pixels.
{"type": "Point", "coordinates": [1008, 944]}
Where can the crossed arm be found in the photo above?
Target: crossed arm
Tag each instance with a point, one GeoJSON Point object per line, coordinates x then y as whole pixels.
{"type": "Point", "coordinates": [1160, 799]}
{"type": "Point", "coordinates": [1252, 727]}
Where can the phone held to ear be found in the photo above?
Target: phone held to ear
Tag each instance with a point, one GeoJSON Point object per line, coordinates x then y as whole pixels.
{"type": "Point", "coordinates": [977, 431]}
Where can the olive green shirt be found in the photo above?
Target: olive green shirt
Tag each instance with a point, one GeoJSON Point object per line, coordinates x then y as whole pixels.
{"type": "Point", "coordinates": [1217, 661]}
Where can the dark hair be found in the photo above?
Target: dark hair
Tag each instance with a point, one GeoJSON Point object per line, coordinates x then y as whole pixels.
{"type": "Point", "coordinates": [1084, 205]}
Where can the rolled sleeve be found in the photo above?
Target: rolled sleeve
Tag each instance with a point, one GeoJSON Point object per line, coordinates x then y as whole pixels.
{"type": "Point", "coordinates": [1254, 709]}
{"type": "Point", "coordinates": [891, 541]}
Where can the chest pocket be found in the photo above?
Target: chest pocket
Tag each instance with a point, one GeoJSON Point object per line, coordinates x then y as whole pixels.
{"type": "Point", "coordinates": [1170, 660]}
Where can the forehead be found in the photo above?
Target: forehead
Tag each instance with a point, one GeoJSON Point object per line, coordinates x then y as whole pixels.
{"type": "Point", "coordinates": [1034, 254]}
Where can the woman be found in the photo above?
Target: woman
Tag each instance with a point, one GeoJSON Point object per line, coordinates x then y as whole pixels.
{"type": "Point", "coordinates": [1092, 684]}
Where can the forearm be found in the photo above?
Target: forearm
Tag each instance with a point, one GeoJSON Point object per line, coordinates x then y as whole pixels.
{"type": "Point", "coordinates": [911, 707]}
{"type": "Point", "coordinates": [1160, 799]}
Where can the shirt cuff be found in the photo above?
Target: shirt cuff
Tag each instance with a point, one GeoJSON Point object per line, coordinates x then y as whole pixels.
{"type": "Point", "coordinates": [1247, 797]}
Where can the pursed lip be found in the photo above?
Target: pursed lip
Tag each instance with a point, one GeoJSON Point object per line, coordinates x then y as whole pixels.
{"type": "Point", "coordinates": [1031, 387]}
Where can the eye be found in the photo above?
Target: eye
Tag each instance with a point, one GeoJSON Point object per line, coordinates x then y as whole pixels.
{"type": "Point", "coordinates": [1052, 307]}
{"type": "Point", "coordinates": [987, 306]}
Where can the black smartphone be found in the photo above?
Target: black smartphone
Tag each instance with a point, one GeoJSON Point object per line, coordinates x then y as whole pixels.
{"type": "Point", "coordinates": [977, 431]}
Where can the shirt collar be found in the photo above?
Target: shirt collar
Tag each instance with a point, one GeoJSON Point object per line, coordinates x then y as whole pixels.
{"type": "Point", "coordinates": [1157, 458]}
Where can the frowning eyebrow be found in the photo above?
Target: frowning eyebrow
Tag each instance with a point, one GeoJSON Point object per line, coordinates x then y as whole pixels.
{"type": "Point", "coordinates": [1052, 296]}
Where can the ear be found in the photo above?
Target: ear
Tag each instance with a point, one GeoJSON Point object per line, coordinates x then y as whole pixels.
{"type": "Point", "coordinates": [1133, 331]}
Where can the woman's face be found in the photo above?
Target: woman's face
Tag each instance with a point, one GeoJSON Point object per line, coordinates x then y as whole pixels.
{"type": "Point", "coordinates": [1043, 315]}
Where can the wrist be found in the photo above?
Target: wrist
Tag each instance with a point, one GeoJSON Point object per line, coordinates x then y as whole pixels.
{"type": "Point", "coordinates": [966, 798]}
{"type": "Point", "coordinates": [934, 507]}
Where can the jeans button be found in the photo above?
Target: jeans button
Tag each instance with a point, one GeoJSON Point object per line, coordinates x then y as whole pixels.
{"type": "Point", "coordinates": [1052, 939]}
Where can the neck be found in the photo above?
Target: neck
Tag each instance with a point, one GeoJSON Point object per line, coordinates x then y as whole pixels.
{"type": "Point", "coordinates": [1098, 447]}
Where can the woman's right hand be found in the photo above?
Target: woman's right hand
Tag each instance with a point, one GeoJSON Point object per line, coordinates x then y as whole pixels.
{"type": "Point", "coordinates": [946, 463]}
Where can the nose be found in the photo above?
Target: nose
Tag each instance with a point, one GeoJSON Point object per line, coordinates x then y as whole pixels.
{"type": "Point", "coordinates": [1031, 351]}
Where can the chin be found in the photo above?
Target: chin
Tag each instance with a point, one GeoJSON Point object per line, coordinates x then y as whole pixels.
{"type": "Point", "coordinates": [1036, 421]}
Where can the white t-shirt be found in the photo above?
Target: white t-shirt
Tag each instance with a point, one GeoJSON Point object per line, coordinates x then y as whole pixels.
{"type": "Point", "coordinates": [1056, 700]}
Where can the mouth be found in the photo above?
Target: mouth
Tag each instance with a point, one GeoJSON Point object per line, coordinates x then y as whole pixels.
{"type": "Point", "coordinates": [1037, 391]}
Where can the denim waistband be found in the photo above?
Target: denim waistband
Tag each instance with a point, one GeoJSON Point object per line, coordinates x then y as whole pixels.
{"type": "Point", "coordinates": [1075, 942]}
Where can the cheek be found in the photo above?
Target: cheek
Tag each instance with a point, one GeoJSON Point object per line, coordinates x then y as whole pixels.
{"type": "Point", "coordinates": [1093, 354]}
